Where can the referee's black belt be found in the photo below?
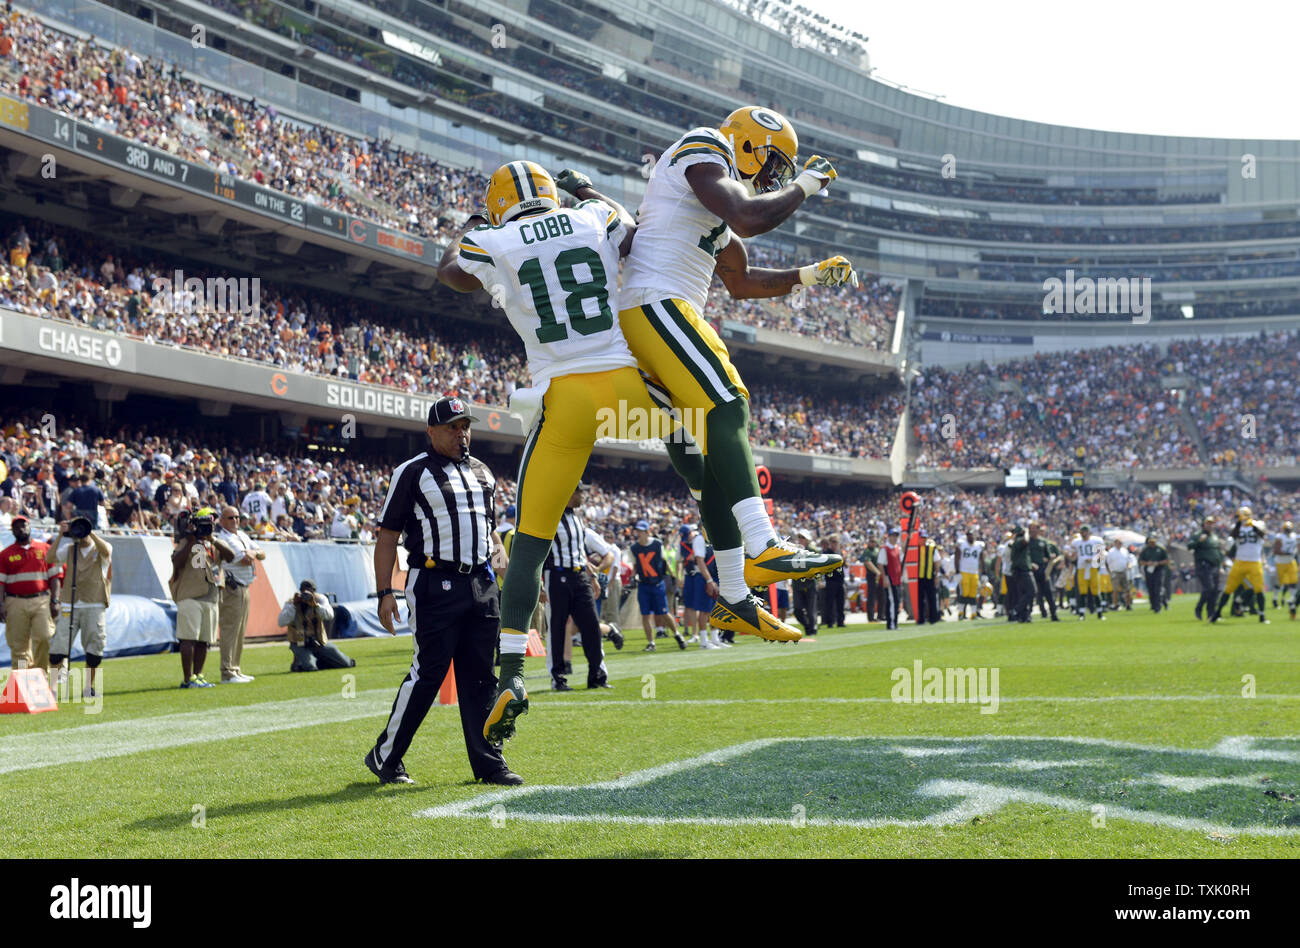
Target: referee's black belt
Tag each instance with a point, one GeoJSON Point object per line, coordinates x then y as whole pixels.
{"type": "Point", "coordinates": [462, 568]}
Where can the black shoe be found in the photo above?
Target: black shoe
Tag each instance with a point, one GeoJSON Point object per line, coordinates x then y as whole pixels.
{"type": "Point", "coordinates": [396, 774]}
{"type": "Point", "coordinates": [650, 647]}
{"type": "Point", "coordinates": [559, 684]}
{"type": "Point", "coordinates": [504, 777]}
{"type": "Point", "coordinates": [681, 642]}
{"type": "Point", "coordinates": [1054, 618]}
{"type": "Point", "coordinates": [616, 637]}
{"type": "Point", "coordinates": [568, 668]}
{"type": "Point", "coordinates": [599, 684]}
{"type": "Point", "coordinates": [660, 634]}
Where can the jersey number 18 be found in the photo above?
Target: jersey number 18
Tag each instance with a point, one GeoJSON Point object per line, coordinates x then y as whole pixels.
{"type": "Point", "coordinates": [577, 291]}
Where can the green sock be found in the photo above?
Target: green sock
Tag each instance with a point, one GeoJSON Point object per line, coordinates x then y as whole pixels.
{"type": "Point", "coordinates": [717, 519]}
{"type": "Point", "coordinates": [730, 460]}
{"type": "Point", "coordinates": [512, 666]}
{"type": "Point", "coordinates": [523, 584]}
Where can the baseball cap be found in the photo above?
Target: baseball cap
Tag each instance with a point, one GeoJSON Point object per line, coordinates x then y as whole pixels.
{"type": "Point", "coordinates": [306, 586]}
{"type": "Point", "coordinates": [684, 530]}
{"type": "Point", "coordinates": [511, 510]}
{"type": "Point", "coordinates": [642, 525]}
{"type": "Point", "coordinates": [893, 530]}
{"type": "Point", "coordinates": [446, 410]}
{"type": "Point", "coordinates": [19, 519]}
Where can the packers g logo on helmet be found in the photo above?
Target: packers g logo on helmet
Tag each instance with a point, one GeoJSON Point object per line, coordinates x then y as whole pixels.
{"type": "Point", "coordinates": [765, 146]}
{"type": "Point", "coordinates": [1243, 514]}
{"type": "Point", "coordinates": [518, 187]}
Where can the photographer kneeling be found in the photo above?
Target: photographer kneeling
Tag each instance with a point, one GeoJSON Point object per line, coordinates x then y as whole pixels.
{"type": "Point", "coordinates": [304, 618]}
{"type": "Point", "coordinates": [197, 579]}
{"type": "Point", "coordinates": [84, 595]}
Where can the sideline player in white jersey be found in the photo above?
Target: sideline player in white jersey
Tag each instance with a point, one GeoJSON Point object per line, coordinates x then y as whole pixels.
{"type": "Point", "coordinates": [1288, 573]}
{"type": "Point", "coordinates": [1088, 552]}
{"type": "Point", "coordinates": [1247, 562]}
{"type": "Point", "coordinates": [554, 272]}
{"type": "Point", "coordinates": [1004, 571]}
{"type": "Point", "coordinates": [969, 553]}
{"type": "Point", "coordinates": [710, 188]}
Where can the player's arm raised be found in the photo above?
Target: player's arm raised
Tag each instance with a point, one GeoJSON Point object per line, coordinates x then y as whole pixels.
{"type": "Point", "coordinates": [749, 215]}
{"type": "Point", "coordinates": [450, 272]}
{"type": "Point", "coordinates": [579, 185]}
{"type": "Point", "coordinates": [744, 282]}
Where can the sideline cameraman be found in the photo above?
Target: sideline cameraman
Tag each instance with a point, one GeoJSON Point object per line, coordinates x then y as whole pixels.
{"type": "Point", "coordinates": [304, 617]}
{"type": "Point", "coordinates": [196, 583]}
{"type": "Point", "coordinates": [93, 580]}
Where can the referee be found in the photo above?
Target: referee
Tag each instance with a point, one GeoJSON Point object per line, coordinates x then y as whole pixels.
{"type": "Point", "coordinates": [568, 594]}
{"type": "Point", "coordinates": [442, 500]}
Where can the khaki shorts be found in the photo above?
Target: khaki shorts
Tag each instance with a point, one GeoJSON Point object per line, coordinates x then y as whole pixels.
{"type": "Point", "coordinates": [196, 621]}
{"type": "Point", "coordinates": [88, 623]}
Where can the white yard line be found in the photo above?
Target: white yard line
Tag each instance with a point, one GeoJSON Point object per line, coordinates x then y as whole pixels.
{"type": "Point", "coordinates": [145, 734]}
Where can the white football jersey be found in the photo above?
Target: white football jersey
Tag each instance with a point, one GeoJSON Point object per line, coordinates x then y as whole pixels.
{"type": "Point", "coordinates": [1004, 554]}
{"type": "Point", "coordinates": [1089, 553]}
{"type": "Point", "coordinates": [1289, 544]}
{"type": "Point", "coordinates": [1250, 542]}
{"type": "Point", "coordinates": [257, 504]}
{"type": "Point", "coordinates": [556, 275]}
{"type": "Point", "coordinates": [970, 556]}
{"type": "Point", "coordinates": [677, 239]}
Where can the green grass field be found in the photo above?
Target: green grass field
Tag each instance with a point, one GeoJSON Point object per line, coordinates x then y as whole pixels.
{"type": "Point", "coordinates": [760, 750]}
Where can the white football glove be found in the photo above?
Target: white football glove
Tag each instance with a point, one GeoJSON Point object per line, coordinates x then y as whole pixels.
{"type": "Point", "coordinates": [817, 173]}
{"type": "Point", "coordinates": [833, 271]}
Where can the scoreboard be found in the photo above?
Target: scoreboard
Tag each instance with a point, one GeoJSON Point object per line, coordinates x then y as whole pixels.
{"type": "Point", "coordinates": [1025, 478]}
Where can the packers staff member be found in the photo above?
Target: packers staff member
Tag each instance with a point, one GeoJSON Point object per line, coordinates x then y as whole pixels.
{"type": "Point", "coordinates": [968, 564]}
{"type": "Point", "coordinates": [555, 272]}
{"type": "Point", "coordinates": [710, 188]}
{"type": "Point", "coordinates": [1284, 556]}
{"type": "Point", "coordinates": [1247, 564]}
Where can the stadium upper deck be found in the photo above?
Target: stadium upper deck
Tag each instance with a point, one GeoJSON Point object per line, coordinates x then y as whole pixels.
{"type": "Point", "coordinates": [980, 207]}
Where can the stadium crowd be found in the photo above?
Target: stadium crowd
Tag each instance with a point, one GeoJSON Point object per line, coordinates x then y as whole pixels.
{"type": "Point", "coordinates": [64, 275]}
{"type": "Point", "coordinates": [116, 90]}
{"type": "Point", "coordinates": [1092, 408]}
{"type": "Point", "coordinates": [140, 480]}
{"type": "Point", "coordinates": [1245, 402]}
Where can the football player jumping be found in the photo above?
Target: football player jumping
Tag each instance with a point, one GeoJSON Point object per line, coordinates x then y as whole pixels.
{"type": "Point", "coordinates": [712, 187]}
{"type": "Point", "coordinates": [1247, 562]}
{"type": "Point", "coordinates": [554, 270]}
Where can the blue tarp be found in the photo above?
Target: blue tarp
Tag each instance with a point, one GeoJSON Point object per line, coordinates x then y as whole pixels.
{"type": "Point", "coordinates": [360, 618]}
{"type": "Point", "coordinates": [135, 626]}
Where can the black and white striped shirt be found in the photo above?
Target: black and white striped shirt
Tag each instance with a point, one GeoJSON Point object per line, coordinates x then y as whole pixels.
{"type": "Point", "coordinates": [444, 507]}
{"type": "Point", "coordinates": [573, 541]}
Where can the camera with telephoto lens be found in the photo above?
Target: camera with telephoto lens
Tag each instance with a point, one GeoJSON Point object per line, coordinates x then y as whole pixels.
{"type": "Point", "coordinates": [202, 523]}
{"type": "Point", "coordinates": [79, 527]}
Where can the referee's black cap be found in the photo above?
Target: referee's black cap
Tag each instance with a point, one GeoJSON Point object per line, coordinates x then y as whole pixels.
{"type": "Point", "coordinates": [446, 410]}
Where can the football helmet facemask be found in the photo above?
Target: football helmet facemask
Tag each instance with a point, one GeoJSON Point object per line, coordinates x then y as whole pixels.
{"type": "Point", "coordinates": [765, 146]}
{"type": "Point", "coordinates": [519, 187]}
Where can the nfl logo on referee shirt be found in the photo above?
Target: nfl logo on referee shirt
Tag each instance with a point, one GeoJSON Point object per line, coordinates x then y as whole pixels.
{"type": "Point", "coordinates": [446, 584]}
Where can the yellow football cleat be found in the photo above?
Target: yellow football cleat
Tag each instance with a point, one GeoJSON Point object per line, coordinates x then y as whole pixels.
{"type": "Point", "coordinates": [512, 701]}
{"type": "Point", "coordinates": [783, 560]}
{"type": "Point", "coordinates": [748, 617]}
